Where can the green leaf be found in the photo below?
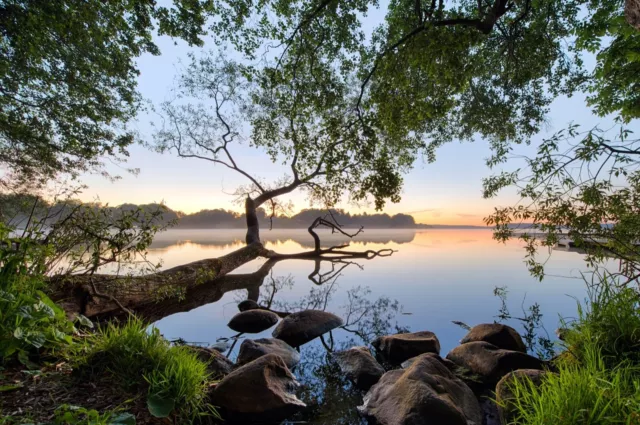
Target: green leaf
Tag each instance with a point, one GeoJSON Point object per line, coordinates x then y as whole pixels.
{"type": "Point", "coordinates": [84, 321]}
{"type": "Point", "coordinates": [123, 419]}
{"type": "Point", "coordinates": [18, 333]}
{"type": "Point", "coordinates": [160, 407]}
{"type": "Point", "coordinates": [4, 388]}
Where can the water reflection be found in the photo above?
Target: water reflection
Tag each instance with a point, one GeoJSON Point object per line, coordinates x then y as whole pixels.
{"type": "Point", "coordinates": [434, 278]}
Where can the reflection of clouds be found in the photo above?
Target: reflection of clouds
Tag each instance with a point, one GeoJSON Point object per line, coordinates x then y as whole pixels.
{"type": "Point", "coordinates": [467, 240]}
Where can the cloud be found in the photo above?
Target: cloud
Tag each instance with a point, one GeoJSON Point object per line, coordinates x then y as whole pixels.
{"type": "Point", "coordinates": [467, 215]}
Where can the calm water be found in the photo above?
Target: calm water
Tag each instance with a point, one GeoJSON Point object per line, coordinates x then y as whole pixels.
{"type": "Point", "coordinates": [434, 278]}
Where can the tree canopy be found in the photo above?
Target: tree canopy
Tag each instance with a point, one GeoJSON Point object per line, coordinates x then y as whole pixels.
{"type": "Point", "coordinates": [68, 77]}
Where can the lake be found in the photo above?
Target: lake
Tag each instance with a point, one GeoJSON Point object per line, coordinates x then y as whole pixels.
{"type": "Point", "coordinates": [435, 277]}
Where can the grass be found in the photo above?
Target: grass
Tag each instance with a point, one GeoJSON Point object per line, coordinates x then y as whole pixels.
{"type": "Point", "coordinates": [598, 379]}
{"type": "Point", "coordinates": [580, 394]}
{"type": "Point", "coordinates": [176, 379]}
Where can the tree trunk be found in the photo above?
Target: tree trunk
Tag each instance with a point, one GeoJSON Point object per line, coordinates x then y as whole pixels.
{"type": "Point", "coordinates": [95, 295]}
{"type": "Point", "coordinates": [203, 294]}
{"type": "Point", "coordinates": [253, 227]}
{"type": "Point", "coordinates": [632, 13]}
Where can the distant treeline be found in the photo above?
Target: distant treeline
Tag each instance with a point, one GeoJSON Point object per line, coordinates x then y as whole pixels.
{"type": "Point", "coordinates": [216, 219]}
{"type": "Point", "coordinates": [16, 209]}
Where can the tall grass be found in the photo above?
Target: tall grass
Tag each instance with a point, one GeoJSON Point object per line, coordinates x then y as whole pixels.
{"type": "Point", "coordinates": [610, 321]}
{"type": "Point", "coordinates": [175, 377]}
{"type": "Point", "coordinates": [587, 393]}
{"type": "Point", "coordinates": [598, 379]}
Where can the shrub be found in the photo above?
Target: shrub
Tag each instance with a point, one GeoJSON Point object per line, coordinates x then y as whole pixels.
{"type": "Point", "coordinates": [175, 377]}
{"type": "Point", "coordinates": [29, 320]}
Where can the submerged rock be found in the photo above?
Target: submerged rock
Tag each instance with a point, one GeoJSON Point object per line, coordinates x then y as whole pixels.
{"type": "Point", "coordinates": [504, 395]}
{"type": "Point", "coordinates": [253, 321]}
{"type": "Point", "coordinates": [299, 328]}
{"type": "Point", "coordinates": [259, 392]}
{"type": "Point", "coordinates": [425, 393]}
{"type": "Point", "coordinates": [489, 362]}
{"type": "Point", "coordinates": [359, 366]}
{"type": "Point", "coordinates": [253, 349]}
{"type": "Point", "coordinates": [398, 348]}
{"type": "Point", "coordinates": [248, 305]}
{"type": "Point", "coordinates": [502, 336]}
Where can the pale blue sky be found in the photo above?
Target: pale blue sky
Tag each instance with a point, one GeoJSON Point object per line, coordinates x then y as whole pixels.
{"type": "Point", "coordinates": [447, 191]}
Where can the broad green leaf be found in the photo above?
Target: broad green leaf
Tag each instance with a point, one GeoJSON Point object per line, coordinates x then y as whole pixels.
{"type": "Point", "coordinates": [123, 419]}
{"type": "Point", "coordinates": [160, 407]}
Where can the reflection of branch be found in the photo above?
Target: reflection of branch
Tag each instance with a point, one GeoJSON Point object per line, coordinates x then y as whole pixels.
{"type": "Point", "coordinates": [322, 278]}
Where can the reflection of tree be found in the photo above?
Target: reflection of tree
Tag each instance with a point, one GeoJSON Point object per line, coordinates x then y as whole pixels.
{"type": "Point", "coordinates": [331, 398]}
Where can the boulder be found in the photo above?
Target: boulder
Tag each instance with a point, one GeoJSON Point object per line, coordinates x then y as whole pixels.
{"type": "Point", "coordinates": [301, 327]}
{"type": "Point", "coordinates": [248, 305]}
{"type": "Point", "coordinates": [398, 348]}
{"type": "Point", "coordinates": [502, 336]}
{"type": "Point", "coordinates": [489, 362]}
{"type": "Point", "coordinates": [425, 393]}
{"type": "Point", "coordinates": [359, 366]}
{"type": "Point", "coordinates": [504, 395]}
{"type": "Point", "coordinates": [217, 363]}
{"type": "Point", "coordinates": [253, 321]}
{"type": "Point", "coordinates": [260, 391]}
{"type": "Point", "coordinates": [253, 349]}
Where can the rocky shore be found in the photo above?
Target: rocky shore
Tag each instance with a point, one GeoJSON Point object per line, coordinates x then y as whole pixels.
{"type": "Point", "coordinates": [404, 380]}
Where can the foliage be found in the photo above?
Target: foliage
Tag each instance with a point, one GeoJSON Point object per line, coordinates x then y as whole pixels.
{"type": "Point", "coordinates": [68, 77]}
{"type": "Point", "coordinates": [610, 321]}
{"type": "Point", "coordinates": [176, 379]}
{"type": "Point", "coordinates": [349, 111]}
{"type": "Point", "coordinates": [597, 380]}
{"type": "Point", "coordinates": [580, 186]}
{"type": "Point", "coordinates": [589, 394]}
{"type": "Point", "coordinates": [75, 415]}
{"type": "Point", "coordinates": [86, 238]}
{"type": "Point", "coordinates": [29, 321]}
{"type": "Point", "coordinates": [613, 84]}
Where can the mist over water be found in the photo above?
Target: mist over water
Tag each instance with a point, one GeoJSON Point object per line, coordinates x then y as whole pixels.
{"type": "Point", "coordinates": [437, 276]}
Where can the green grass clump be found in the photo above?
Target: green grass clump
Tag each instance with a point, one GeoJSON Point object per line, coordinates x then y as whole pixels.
{"type": "Point", "coordinates": [176, 378]}
{"type": "Point", "coordinates": [598, 377]}
{"type": "Point", "coordinates": [586, 393]}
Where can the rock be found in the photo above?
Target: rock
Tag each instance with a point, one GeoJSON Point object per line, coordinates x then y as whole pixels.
{"type": "Point", "coordinates": [260, 391]}
{"type": "Point", "coordinates": [218, 364]}
{"type": "Point", "coordinates": [632, 12]}
{"type": "Point", "coordinates": [253, 349]}
{"type": "Point", "coordinates": [221, 346]}
{"type": "Point", "coordinates": [359, 366]}
{"type": "Point", "coordinates": [253, 321]}
{"type": "Point", "coordinates": [426, 393]}
{"type": "Point", "coordinates": [398, 348]}
{"type": "Point", "coordinates": [504, 396]}
{"type": "Point", "coordinates": [248, 305]}
{"type": "Point", "coordinates": [301, 327]}
{"type": "Point", "coordinates": [501, 336]}
{"type": "Point", "coordinates": [489, 362]}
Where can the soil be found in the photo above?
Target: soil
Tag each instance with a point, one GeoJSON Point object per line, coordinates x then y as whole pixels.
{"type": "Point", "coordinates": [40, 392]}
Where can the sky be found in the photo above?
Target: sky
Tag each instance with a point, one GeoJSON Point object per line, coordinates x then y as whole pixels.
{"type": "Point", "coordinates": [448, 191]}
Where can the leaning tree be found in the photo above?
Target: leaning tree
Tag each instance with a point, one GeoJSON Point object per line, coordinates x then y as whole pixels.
{"type": "Point", "coordinates": [348, 110]}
